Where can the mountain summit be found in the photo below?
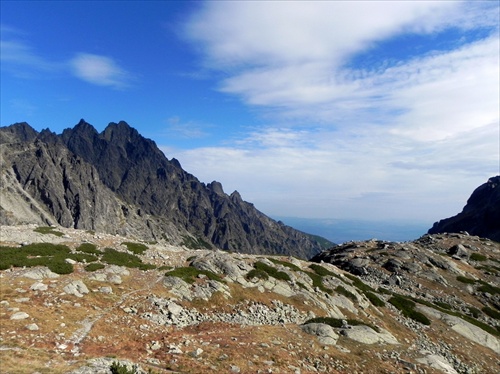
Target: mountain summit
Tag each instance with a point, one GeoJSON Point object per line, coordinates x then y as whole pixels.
{"type": "Point", "coordinates": [480, 216]}
{"type": "Point", "coordinates": [119, 182]}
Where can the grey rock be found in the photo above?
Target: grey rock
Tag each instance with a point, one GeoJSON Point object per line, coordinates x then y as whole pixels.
{"type": "Point", "coordinates": [76, 288]}
{"type": "Point", "coordinates": [458, 250]}
{"type": "Point", "coordinates": [39, 286]}
{"type": "Point", "coordinates": [40, 273]}
{"type": "Point", "coordinates": [19, 315]}
{"type": "Point", "coordinates": [366, 335]}
{"type": "Point", "coordinates": [325, 333]}
{"type": "Point", "coordinates": [32, 327]}
{"type": "Point", "coordinates": [438, 362]}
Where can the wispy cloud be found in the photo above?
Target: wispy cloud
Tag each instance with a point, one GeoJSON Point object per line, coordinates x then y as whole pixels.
{"type": "Point", "coordinates": [186, 129]}
{"type": "Point", "coordinates": [99, 70]}
{"type": "Point", "coordinates": [24, 61]}
{"type": "Point", "coordinates": [403, 129]}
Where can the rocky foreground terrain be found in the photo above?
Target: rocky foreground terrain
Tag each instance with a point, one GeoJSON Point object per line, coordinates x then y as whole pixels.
{"type": "Point", "coordinates": [75, 301]}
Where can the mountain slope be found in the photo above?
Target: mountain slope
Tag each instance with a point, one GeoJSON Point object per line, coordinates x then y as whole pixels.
{"type": "Point", "coordinates": [480, 216]}
{"type": "Point", "coordinates": [88, 300]}
{"type": "Point", "coordinates": [119, 182]}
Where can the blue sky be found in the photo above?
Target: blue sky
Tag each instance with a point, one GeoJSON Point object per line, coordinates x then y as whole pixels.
{"type": "Point", "coordinates": [375, 110]}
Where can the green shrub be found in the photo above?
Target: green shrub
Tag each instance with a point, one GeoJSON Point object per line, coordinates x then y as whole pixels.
{"type": "Point", "coordinates": [406, 307]}
{"type": "Point", "coordinates": [48, 230]}
{"type": "Point", "coordinates": [359, 284]}
{"type": "Point", "coordinates": [478, 257]}
{"type": "Point", "coordinates": [474, 311]}
{"type": "Point", "coordinates": [165, 267]}
{"type": "Point", "coordinates": [94, 266]}
{"type": "Point", "coordinates": [486, 287]}
{"type": "Point", "coordinates": [384, 291]}
{"type": "Point", "coordinates": [113, 257]}
{"type": "Point", "coordinates": [466, 280]}
{"type": "Point", "coordinates": [374, 299]}
{"type": "Point", "coordinates": [60, 267]}
{"type": "Point", "coordinates": [136, 248]}
{"type": "Point", "coordinates": [117, 368]}
{"type": "Point", "coordinates": [82, 257]}
{"type": "Point", "coordinates": [318, 282]}
{"type": "Point", "coordinates": [320, 270]}
{"type": "Point", "coordinates": [36, 254]}
{"type": "Point", "coordinates": [443, 305]}
{"type": "Point", "coordinates": [491, 312]}
{"type": "Point", "coordinates": [88, 248]}
{"type": "Point", "coordinates": [302, 285]}
{"type": "Point", "coordinates": [271, 271]}
{"type": "Point", "coordinates": [285, 263]}
{"type": "Point", "coordinates": [189, 274]}
{"type": "Point", "coordinates": [341, 290]}
{"type": "Point", "coordinates": [254, 273]}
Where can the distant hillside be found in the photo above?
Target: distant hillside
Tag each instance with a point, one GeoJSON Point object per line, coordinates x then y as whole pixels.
{"type": "Point", "coordinates": [119, 182]}
{"type": "Point", "coordinates": [480, 216]}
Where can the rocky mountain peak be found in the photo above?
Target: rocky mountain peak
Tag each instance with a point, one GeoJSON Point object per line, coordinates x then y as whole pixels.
{"type": "Point", "coordinates": [121, 133]}
{"type": "Point", "coordinates": [216, 187]}
{"type": "Point", "coordinates": [121, 182]}
{"type": "Point", "coordinates": [20, 131]}
{"type": "Point", "coordinates": [480, 216]}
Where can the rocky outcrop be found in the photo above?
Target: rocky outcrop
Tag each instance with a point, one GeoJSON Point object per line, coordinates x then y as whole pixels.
{"type": "Point", "coordinates": [480, 216]}
{"type": "Point", "coordinates": [207, 311]}
{"type": "Point", "coordinates": [119, 182]}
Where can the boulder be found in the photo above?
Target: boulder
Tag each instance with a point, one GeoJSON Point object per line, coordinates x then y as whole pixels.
{"type": "Point", "coordinates": [19, 315]}
{"type": "Point", "coordinates": [438, 362]}
{"type": "Point", "coordinates": [325, 333]}
{"type": "Point", "coordinates": [76, 288]}
{"type": "Point", "coordinates": [367, 335]}
{"type": "Point", "coordinates": [40, 273]}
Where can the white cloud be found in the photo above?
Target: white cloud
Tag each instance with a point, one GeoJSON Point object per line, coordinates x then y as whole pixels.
{"type": "Point", "coordinates": [99, 70]}
{"type": "Point", "coordinates": [413, 136]}
{"type": "Point", "coordinates": [20, 59]}
{"type": "Point", "coordinates": [24, 61]}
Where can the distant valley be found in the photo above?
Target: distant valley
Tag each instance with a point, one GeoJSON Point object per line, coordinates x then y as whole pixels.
{"type": "Point", "coordinates": [343, 230]}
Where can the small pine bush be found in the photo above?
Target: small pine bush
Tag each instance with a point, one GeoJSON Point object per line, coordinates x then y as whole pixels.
{"type": "Point", "coordinates": [478, 257]}
{"type": "Point", "coordinates": [320, 270]}
{"type": "Point", "coordinates": [342, 290]}
{"type": "Point", "coordinates": [254, 273]}
{"type": "Point", "coordinates": [136, 248]}
{"type": "Point", "coordinates": [466, 280]}
{"type": "Point", "coordinates": [407, 308]}
{"type": "Point", "coordinates": [88, 248]}
{"type": "Point", "coordinates": [189, 274]}
{"type": "Point", "coordinates": [94, 266]}
{"type": "Point", "coordinates": [374, 299]}
{"type": "Point", "coordinates": [48, 230]}
{"type": "Point", "coordinates": [271, 271]}
{"type": "Point", "coordinates": [491, 312]}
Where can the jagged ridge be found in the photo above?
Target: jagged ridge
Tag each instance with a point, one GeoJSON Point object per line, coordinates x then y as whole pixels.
{"type": "Point", "coordinates": [117, 181]}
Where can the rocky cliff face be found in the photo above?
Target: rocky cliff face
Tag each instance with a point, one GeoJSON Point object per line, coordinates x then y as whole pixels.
{"type": "Point", "coordinates": [119, 182]}
{"type": "Point", "coordinates": [481, 215]}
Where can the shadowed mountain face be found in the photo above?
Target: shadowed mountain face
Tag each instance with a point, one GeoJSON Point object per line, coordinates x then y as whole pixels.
{"type": "Point", "coordinates": [119, 182]}
{"type": "Point", "coordinates": [481, 215]}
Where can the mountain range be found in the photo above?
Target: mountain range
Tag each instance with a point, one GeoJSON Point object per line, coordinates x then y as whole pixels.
{"type": "Point", "coordinates": [113, 259]}
{"type": "Point", "coordinates": [119, 182]}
